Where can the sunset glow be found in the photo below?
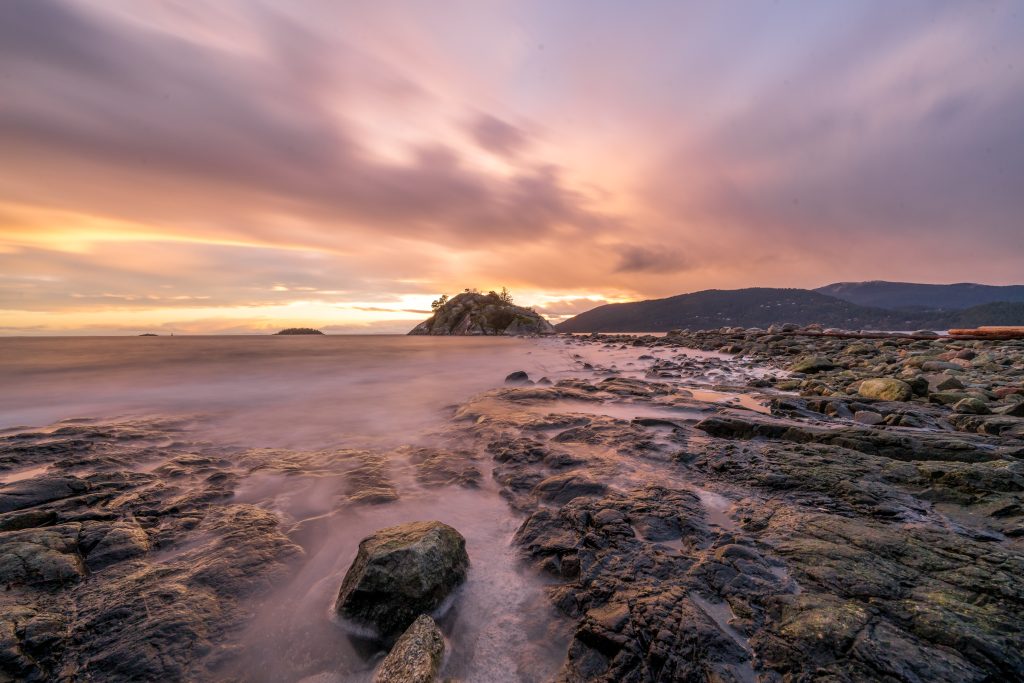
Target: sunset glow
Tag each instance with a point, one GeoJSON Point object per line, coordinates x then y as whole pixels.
{"type": "Point", "coordinates": [240, 166]}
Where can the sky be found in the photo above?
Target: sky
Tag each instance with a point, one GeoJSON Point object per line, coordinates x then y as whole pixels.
{"type": "Point", "coordinates": [245, 165]}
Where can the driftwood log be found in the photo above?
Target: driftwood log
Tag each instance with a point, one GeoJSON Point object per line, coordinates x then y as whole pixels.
{"type": "Point", "coordinates": [991, 332]}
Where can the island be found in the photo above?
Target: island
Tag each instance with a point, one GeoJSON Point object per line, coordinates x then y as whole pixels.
{"type": "Point", "coordinates": [298, 330]}
{"type": "Point", "coordinates": [474, 313]}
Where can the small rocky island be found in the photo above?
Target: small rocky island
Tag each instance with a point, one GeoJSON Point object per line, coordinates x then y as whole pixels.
{"type": "Point", "coordinates": [473, 313]}
{"type": "Point", "coordinates": [298, 330]}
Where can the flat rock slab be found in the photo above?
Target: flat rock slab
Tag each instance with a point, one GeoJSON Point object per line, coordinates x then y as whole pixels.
{"type": "Point", "coordinates": [32, 492]}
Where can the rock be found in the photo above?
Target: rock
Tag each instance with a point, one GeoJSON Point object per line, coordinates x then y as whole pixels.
{"type": "Point", "coordinates": [971, 406]}
{"type": "Point", "coordinates": [41, 556]}
{"type": "Point", "coordinates": [368, 482]}
{"type": "Point", "coordinates": [944, 382]}
{"type": "Point", "coordinates": [518, 377]}
{"type": "Point", "coordinates": [947, 398]}
{"type": "Point", "coordinates": [868, 417]}
{"type": "Point", "coordinates": [938, 366]}
{"type": "Point", "coordinates": [811, 364]}
{"type": "Point", "coordinates": [1012, 410]}
{"type": "Point", "coordinates": [417, 655]}
{"type": "Point", "coordinates": [885, 389]}
{"type": "Point", "coordinates": [861, 350]}
{"type": "Point", "coordinates": [373, 495]}
{"type": "Point", "coordinates": [472, 313]}
{"type": "Point", "coordinates": [104, 544]}
{"type": "Point", "coordinates": [439, 467]}
{"type": "Point", "coordinates": [31, 492]}
{"type": "Point", "coordinates": [562, 488]}
{"type": "Point", "coordinates": [401, 572]}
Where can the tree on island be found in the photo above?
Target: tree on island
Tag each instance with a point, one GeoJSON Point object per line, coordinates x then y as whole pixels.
{"type": "Point", "coordinates": [504, 296]}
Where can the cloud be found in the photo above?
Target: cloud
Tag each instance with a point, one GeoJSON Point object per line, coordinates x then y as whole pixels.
{"type": "Point", "coordinates": [637, 259]}
{"type": "Point", "coordinates": [381, 309]}
{"type": "Point", "coordinates": [568, 307]}
{"type": "Point", "coordinates": [244, 134]}
{"type": "Point", "coordinates": [497, 136]}
{"type": "Point", "coordinates": [225, 159]}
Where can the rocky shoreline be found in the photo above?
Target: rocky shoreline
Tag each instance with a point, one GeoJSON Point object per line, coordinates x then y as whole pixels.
{"type": "Point", "coordinates": [791, 507]}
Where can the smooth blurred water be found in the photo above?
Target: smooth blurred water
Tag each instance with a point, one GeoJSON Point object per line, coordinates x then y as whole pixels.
{"type": "Point", "coordinates": [289, 391]}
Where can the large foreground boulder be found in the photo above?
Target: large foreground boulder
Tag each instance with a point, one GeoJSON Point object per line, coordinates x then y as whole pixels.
{"type": "Point", "coordinates": [472, 313]}
{"type": "Point", "coordinates": [417, 655]}
{"type": "Point", "coordinates": [400, 573]}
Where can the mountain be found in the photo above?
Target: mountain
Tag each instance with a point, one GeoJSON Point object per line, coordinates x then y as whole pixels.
{"type": "Point", "coordinates": [762, 306]}
{"type": "Point", "coordinates": [472, 313]}
{"type": "Point", "coordinates": [913, 296]}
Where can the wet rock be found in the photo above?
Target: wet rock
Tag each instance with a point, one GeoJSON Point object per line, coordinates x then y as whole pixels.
{"type": "Point", "coordinates": [368, 482]}
{"type": "Point", "coordinates": [438, 467]}
{"type": "Point", "coordinates": [561, 488]}
{"type": "Point", "coordinates": [1012, 410]}
{"type": "Point", "coordinates": [899, 446]}
{"type": "Point", "coordinates": [416, 657]}
{"type": "Point", "coordinates": [27, 519]}
{"type": "Point", "coordinates": [142, 621]}
{"type": "Point", "coordinates": [31, 492]}
{"type": "Point", "coordinates": [41, 556]}
{"type": "Point", "coordinates": [938, 366]}
{"type": "Point", "coordinates": [868, 417]}
{"type": "Point", "coordinates": [401, 572]}
{"type": "Point", "coordinates": [971, 406]}
{"type": "Point", "coordinates": [885, 389]}
{"type": "Point", "coordinates": [104, 544]}
{"type": "Point", "coordinates": [944, 382]}
{"type": "Point", "coordinates": [947, 398]}
{"type": "Point", "coordinates": [373, 495]}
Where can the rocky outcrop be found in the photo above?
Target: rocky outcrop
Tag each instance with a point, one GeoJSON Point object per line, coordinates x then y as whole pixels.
{"type": "Point", "coordinates": [471, 313]}
{"type": "Point", "coordinates": [416, 656]}
{"type": "Point", "coordinates": [400, 573]}
{"type": "Point", "coordinates": [796, 545]}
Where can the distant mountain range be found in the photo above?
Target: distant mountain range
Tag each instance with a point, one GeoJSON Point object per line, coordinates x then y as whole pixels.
{"type": "Point", "coordinates": [762, 306]}
{"type": "Point", "coordinates": [913, 296]}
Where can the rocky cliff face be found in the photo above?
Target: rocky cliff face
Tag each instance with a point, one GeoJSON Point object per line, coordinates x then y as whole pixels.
{"type": "Point", "coordinates": [471, 313]}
